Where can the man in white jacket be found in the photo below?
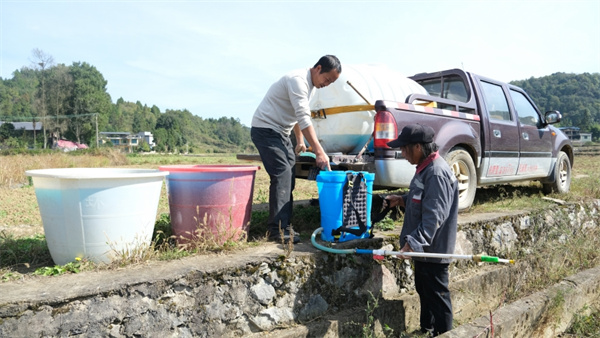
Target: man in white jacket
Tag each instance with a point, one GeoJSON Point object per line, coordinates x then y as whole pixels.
{"type": "Point", "coordinates": [283, 109]}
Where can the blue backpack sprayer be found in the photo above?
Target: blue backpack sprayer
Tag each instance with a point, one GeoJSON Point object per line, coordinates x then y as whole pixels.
{"type": "Point", "coordinates": [345, 202]}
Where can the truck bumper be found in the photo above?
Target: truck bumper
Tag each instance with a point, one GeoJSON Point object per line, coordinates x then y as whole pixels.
{"type": "Point", "coordinates": [393, 173]}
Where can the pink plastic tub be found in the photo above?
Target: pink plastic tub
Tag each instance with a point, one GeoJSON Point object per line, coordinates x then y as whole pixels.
{"type": "Point", "coordinates": [213, 202]}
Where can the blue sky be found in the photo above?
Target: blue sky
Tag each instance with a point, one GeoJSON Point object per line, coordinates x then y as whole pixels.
{"type": "Point", "coordinates": [218, 58]}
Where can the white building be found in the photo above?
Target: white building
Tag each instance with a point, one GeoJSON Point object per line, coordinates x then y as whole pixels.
{"type": "Point", "coordinates": [126, 140]}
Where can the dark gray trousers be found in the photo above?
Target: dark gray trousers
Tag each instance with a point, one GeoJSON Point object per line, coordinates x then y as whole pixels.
{"type": "Point", "coordinates": [431, 282]}
{"type": "Point", "coordinates": [277, 155]}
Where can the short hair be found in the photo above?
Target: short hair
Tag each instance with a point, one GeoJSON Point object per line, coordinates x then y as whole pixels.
{"type": "Point", "coordinates": [329, 62]}
{"type": "Point", "coordinates": [428, 148]}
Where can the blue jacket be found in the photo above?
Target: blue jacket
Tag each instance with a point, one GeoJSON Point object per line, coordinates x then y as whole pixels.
{"type": "Point", "coordinates": [431, 213]}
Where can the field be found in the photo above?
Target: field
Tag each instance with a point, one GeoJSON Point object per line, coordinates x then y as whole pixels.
{"type": "Point", "coordinates": [24, 254]}
{"type": "Point", "coordinates": [19, 214]}
{"type": "Point", "coordinates": [21, 225]}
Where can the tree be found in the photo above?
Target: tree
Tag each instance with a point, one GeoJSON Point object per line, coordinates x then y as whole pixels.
{"type": "Point", "coordinates": [576, 96]}
{"type": "Point", "coordinates": [595, 130]}
{"type": "Point", "coordinates": [7, 130]}
{"type": "Point", "coordinates": [41, 62]}
{"type": "Point", "coordinates": [88, 97]}
{"type": "Point", "coordinates": [24, 84]}
{"type": "Point", "coordinates": [60, 85]}
{"type": "Point", "coordinates": [7, 94]}
{"type": "Point", "coordinates": [161, 139]}
{"type": "Point", "coordinates": [143, 147]}
{"type": "Point", "coordinates": [143, 119]}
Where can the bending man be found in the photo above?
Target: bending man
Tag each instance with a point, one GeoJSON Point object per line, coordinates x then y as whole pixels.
{"type": "Point", "coordinates": [283, 109]}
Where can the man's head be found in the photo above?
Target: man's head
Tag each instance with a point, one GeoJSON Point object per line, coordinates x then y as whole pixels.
{"type": "Point", "coordinates": [326, 71]}
{"type": "Point", "coordinates": [328, 63]}
{"type": "Point", "coordinates": [416, 142]}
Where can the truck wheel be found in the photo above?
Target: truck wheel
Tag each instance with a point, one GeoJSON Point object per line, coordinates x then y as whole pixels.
{"type": "Point", "coordinates": [562, 175]}
{"type": "Point", "coordinates": [462, 166]}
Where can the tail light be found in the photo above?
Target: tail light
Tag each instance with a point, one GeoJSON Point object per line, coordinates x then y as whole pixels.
{"type": "Point", "coordinates": [385, 129]}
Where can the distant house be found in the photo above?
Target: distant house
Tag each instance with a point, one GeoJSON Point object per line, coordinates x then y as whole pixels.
{"type": "Point", "coordinates": [26, 126]}
{"type": "Point", "coordinates": [147, 137]}
{"type": "Point", "coordinates": [126, 140]}
{"type": "Point", "coordinates": [574, 134]}
{"type": "Point", "coordinates": [585, 137]}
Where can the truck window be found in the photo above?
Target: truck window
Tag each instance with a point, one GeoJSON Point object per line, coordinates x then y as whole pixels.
{"type": "Point", "coordinates": [525, 110]}
{"type": "Point", "coordinates": [454, 88]}
{"type": "Point", "coordinates": [495, 101]}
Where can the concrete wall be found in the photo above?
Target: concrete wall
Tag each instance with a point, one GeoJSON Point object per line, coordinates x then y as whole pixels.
{"type": "Point", "coordinates": [266, 289]}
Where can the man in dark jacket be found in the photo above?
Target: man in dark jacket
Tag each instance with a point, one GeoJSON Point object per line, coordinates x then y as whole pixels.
{"type": "Point", "coordinates": [430, 222]}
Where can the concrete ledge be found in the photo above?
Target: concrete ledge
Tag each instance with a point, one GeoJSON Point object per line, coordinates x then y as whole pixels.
{"type": "Point", "coordinates": [543, 314]}
{"type": "Point", "coordinates": [75, 286]}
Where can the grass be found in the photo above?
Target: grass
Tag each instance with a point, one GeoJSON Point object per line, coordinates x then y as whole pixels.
{"type": "Point", "coordinates": [24, 253]}
{"type": "Point", "coordinates": [21, 225]}
{"type": "Point", "coordinates": [546, 264]}
{"type": "Point", "coordinates": [585, 325]}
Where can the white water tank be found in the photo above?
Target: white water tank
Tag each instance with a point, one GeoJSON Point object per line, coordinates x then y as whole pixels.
{"type": "Point", "coordinates": [348, 132]}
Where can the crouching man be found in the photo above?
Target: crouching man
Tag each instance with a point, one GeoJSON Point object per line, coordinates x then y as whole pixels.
{"type": "Point", "coordinates": [430, 223]}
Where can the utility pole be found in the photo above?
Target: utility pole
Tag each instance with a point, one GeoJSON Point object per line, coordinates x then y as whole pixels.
{"type": "Point", "coordinates": [96, 130]}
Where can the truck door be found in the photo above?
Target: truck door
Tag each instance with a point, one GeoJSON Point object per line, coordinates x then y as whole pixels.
{"type": "Point", "coordinates": [534, 136]}
{"type": "Point", "coordinates": [502, 154]}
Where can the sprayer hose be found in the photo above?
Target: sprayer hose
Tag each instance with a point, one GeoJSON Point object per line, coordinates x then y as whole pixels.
{"type": "Point", "coordinates": [328, 249]}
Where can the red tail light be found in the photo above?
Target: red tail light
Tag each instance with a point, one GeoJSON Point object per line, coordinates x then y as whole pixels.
{"type": "Point", "coordinates": [385, 129]}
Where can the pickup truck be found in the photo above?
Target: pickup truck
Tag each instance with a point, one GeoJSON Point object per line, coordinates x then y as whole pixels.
{"type": "Point", "coordinates": [488, 131]}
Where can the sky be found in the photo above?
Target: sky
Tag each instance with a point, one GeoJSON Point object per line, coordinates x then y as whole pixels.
{"type": "Point", "coordinates": [218, 58]}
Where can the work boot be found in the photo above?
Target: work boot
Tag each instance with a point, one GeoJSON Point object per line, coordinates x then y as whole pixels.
{"type": "Point", "coordinates": [288, 234]}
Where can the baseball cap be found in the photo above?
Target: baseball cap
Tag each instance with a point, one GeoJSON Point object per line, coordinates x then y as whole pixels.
{"type": "Point", "coordinates": [411, 134]}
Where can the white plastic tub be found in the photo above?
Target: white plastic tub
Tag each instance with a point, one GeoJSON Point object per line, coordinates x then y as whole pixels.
{"type": "Point", "coordinates": [96, 213]}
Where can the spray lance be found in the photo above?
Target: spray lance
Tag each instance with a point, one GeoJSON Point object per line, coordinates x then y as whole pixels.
{"type": "Point", "coordinates": [379, 253]}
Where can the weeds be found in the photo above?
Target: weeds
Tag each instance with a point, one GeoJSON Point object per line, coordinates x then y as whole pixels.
{"type": "Point", "coordinates": [135, 254]}
{"type": "Point", "coordinates": [385, 224]}
{"type": "Point", "coordinates": [23, 252]}
{"type": "Point", "coordinates": [545, 265]}
{"type": "Point", "coordinates": [71, 267]}
{"type": "Point", "coordinates": [214, 231]}
{"type": "Point", "coordinates": [586, 325]}
{"type": "Point", "coordinates": [368, 328]}
{"type": "Point", "coordinates": [555, 308]}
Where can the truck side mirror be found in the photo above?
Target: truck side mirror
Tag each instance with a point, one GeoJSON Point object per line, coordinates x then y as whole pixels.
{"type": "Point", "coordinates": [552, 116]}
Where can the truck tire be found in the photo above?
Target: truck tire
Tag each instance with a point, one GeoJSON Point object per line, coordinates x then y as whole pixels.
{"type": "Point", "coordinates": [462, 166]}
{"type": "Point", "coordinates": [562, 176]}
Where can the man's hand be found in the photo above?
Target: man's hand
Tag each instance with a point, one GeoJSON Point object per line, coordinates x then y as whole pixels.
{"type": "Point", "coordinates": [300, 148]}
{"type": "Point", "coordinates": [321, 157]}
{"type": "Point", "coordinates": [393, 201]}
{"type": "Point", "coordinates": [406, 248]}
{"type": "Point", "coordinates": [323, 161]}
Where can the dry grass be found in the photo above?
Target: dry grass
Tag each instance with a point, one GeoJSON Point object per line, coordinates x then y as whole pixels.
{"type": "Point", "coordinates": [13, 167]}
{"type": "Point", "coordinates": [19, 212]}
{"type": "Point", "coordinates": [19, 216]}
